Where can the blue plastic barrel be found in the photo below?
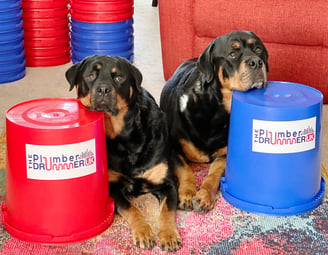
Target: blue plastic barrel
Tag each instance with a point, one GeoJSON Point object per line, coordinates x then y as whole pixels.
{"type": "Point", "coordinates": [113, 39]}
{"type": "Point", "coordinates": [273, 157]}
{"type": "Point", "coordinates": [12, 60]}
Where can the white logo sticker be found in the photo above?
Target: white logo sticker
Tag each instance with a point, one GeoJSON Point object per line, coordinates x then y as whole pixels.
{"type": "Point", "coordinates": [59, 162]}
{"type": "Point", "coordinates": [284, 136]}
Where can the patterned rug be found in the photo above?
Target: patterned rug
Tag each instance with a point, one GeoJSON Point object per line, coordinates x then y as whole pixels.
{"type": "Point", "coordinates": [224, 230]}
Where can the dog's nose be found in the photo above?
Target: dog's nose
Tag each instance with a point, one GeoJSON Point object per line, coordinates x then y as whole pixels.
{"type": "Point", "coordinates": [255, 63]}
{"type": "Point", "coordinates": [103, 90]}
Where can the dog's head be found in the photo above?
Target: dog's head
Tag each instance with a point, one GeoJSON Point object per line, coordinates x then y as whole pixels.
{"type": "Point", "coordinates": [239, 60]}
{"type": "Point", "coordinates": [105, 83]}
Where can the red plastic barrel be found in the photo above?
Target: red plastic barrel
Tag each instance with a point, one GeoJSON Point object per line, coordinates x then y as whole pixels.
{"type": "Point", "coordinates": [57, 180]}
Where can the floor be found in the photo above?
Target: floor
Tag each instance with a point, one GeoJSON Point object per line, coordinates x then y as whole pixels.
{"type": "Point", "coordinates": [41, 82]}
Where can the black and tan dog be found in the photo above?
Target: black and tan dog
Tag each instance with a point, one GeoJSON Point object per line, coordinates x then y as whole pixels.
{"type": "Point", "coordinates": [197, 101]}
{"type": "Point", "coordinates": [137, 136]}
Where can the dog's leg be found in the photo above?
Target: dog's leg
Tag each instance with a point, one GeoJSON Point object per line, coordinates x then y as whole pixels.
{"type": "Point", "coordinates": [142, 233]}
{"type": "Point", "coordinates": [206, 195]}
{"type": "Point", "coordinates": [186, 182]}
{"type": "Point", "coordinates": [120, 186]}
{"type": "Point", "coordinates": [168, 233]}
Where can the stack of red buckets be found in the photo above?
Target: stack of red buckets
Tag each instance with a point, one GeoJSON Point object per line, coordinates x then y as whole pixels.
{"type": "Point", "coordinates": [101, 27]}
{"type": "Point", "coordinates": [46, 32]}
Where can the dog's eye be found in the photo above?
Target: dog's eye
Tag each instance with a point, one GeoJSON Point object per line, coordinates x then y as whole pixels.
{"type": "Point", "coordinates": [91, 77]}
{"type": "Point", "coordinates": [118, 78]}
{"type": "Point", "coordinates": [258, 50]}
{"type": "Point", "coordinates": [232, 55]}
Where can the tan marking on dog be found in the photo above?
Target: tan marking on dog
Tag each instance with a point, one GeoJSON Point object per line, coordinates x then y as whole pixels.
{"type": "Point", "coordinates": [186, 185]}
{"type": "Point", "coordinates": [236, 45]}
{"type": "Point", "coordinates": [228, 84]}
{"type": "Point", "coordinates": [86, 101]}
{"type": "Point", "coordinates": [156, 174]}
{"type": "Point", "coordinates": [113, 176]}
{"type": "Point", "coordinates": [192, 153]}
{"type": "Point", "coordinates": [206, 195]}
{"type": "Point", "coordinates": [251, 41]}
{"type": "Point", "coordinates": [142, 233]}
{"type": "Point", "coordinates": [115, 124]}
{"type": "Point", "coordinates": [220, 152]}
{"type": "Point", "coordinates": [169, 237]}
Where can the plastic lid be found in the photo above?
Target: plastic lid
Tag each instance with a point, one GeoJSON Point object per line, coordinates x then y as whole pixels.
{"type": "Point", "coordinates": [46, 23]}
{"type": "Point", "coordinates": [47, 51]}
{"type": "Point", "coordinates": [45, 13]}
{"type": "Point", "coordinates": [47, 61]}
{"type": "Point", "coordinates": [281, 95]}
{"type": "Point", "coordinates": [9, 5]}
{"type": "Point", "coordinates": [44, 4]}
{"type": "Point", "coordinates": [12, 67]}
{"type": "Point", "coordinates": [46, 32]}
{"type": "Point", "coordinates": [11, 36]}
{"type": "Point", "coordinates": [95, 6]}
{"type": "Point", "coordinates": [47, 42]}
{"type": "Point", "coordinates": [101, 17]}
{"type": "Point", "coordinates": [11, 25]}
{"type": "Point", "coordinates": [111, 36]}
{"type": "Point", "coordinates": [12, 76]}
{"type": "Point", "coordinates": [79, 56]}
{"type": "Point", "coordinates": [11, 14]}
{"type": "Point", "coordinates": [80, 26]}
{"type": "Point", "coordinates": [12, 45]}
{"type": "Point", "coordinates": [12, 56]}
{"type": "Point", "coordinates": [102, 45]}
{"type": "Point", "coordinates": [52, 113]}
{"type": "Point", "coordinates": [85, 53]}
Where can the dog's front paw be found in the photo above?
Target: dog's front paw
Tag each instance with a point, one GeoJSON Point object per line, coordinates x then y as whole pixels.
{"type": "Point", "coordinates": [204, 201]}
{"type": "Point", "coordinates": [170, 240]}
{"type": "Point", "coordinates": [143, 236]}
{"type": "Point", "coordinates": [185, 200]}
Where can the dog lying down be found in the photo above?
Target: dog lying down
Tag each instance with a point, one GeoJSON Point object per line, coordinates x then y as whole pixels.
{"type": "Point", "coordinates": [137, 143]}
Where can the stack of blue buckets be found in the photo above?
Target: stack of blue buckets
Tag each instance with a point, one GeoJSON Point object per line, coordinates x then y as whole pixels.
{"type": "Point", "coordinates": [12, 60]}
{"type": "Point", "coordinates": [102, 27]}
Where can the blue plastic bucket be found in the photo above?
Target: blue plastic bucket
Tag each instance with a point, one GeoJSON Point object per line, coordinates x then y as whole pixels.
{"type": "Point", "coordinates": [112, 36]}
{"type": "Point", "coordinates": [11, 36]}
{"type": "Point", "coordinates": [273, 157]}
{"type": "Point", "coordinates": [77, 55]}
{"type": "Point", "coordinates": [10, 5]}
{"type": "Point", "coordinates": [79, 26]}
{"type": "Point", "coordinates": [102, 45]}
{"type": "Point", "coordinates": [11, 14]}
{"type": "Point", "coordinates": [6, 77]}
{"type": "Point", "coordinates": [12, 57]}
{"type": "Point", "coordinates": [11, 25]}
{"type": "Point", "coordinates": [17, 43]}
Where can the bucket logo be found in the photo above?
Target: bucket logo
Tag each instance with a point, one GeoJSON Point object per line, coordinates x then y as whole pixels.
{"type": "Point", "coordinates": [284, 136]}
{"type": "Point", "coordinates": [59, 162]}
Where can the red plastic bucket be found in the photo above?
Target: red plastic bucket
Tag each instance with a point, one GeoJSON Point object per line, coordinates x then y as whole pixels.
{"type": "Point", "coordinates": [59, 41]}
{"type": "Point", "coordinates": [57, 180]}
{"type": "Point", "coordinates": [54, 60]}
{"type": "Point", "coordinates": [44, 4]}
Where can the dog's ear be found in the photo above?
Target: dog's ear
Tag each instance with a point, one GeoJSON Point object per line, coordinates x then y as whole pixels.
{"type": "Point", "coordinates": [137, 76]}
{"type": "Point", "coordinates": [205, 62]}
{"type": "Point", "coordinates": [71, 75]}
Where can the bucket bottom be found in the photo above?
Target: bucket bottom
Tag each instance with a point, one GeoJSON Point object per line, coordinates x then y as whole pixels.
{"type": "Point", "coordinates": [50, 239]}
{"type": "Point", "coordinates": [271, 210]}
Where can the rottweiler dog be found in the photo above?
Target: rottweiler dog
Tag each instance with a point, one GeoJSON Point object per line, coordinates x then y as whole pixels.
{"type": "Point", "coordinates": [137, 143]}
{"type": "Point", "coordinates": [197, 101]}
